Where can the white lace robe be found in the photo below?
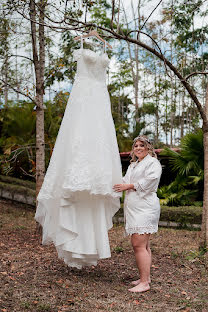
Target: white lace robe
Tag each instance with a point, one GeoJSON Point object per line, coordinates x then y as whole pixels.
{"type": "Point", "coordinates": [141, 206]}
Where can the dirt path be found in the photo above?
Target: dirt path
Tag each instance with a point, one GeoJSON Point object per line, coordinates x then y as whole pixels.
{"type": "Point", "coordinates": [33, 279]}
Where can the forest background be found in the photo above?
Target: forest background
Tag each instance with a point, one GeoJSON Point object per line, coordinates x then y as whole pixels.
{"type": "Point", "coordinates": [145, 97]}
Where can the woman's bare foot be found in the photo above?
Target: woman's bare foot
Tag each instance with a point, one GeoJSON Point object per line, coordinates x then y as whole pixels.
{"type": "Point", "coordinates": [141, 287]}
{"type": "Point", "coordinates": [135, 283]}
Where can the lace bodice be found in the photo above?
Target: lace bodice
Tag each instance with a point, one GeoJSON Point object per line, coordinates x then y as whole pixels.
{"type": "Point", "coordinates": [91, 65]}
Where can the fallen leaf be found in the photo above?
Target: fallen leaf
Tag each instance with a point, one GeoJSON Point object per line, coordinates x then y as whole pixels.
{"type": "Point", "coordinates": [12, 278]}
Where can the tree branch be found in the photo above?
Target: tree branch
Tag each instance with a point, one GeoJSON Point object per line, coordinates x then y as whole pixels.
{"type": "Point", "coordinates": [27, 58]}
{"type": "Point", "coordinates": [150, 14]}
{"type": "Point", "coordinates": [27, 174]}
{"type": "Point", "coordinates": [195, 73]}
{"type": "Point", "coordinates": [33, 33]}
{"type": "Point", "coordinates": [113, 11]}
{"type": "Point", "coordinates": [42, 44]}
{"type": "Point", "coordinates": [143, 33]}
{"type": "Point", "coordinates": [18, 91]}
{"type": "Point", "coordinates": [162, 58]}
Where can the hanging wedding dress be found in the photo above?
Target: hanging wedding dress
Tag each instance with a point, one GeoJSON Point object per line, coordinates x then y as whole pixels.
{"type": "Point", "coordinates": [76, 202]}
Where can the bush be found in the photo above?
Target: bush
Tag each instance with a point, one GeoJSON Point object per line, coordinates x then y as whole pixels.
{"type": "Point", "coordinates": [183, 215]}
{"type": "Point", "coordinates": [16, 181]}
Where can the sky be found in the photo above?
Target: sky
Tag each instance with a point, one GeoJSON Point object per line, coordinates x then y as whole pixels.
{"type": "Point", "coordinates": [150, 5]}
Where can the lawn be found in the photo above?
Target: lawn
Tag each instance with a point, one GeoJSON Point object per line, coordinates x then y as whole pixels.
{"type": "Point", "coordinates": [33, 279]}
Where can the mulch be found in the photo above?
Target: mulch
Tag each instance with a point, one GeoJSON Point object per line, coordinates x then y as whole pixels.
{"type": "Point", "coordinates": [33, 279]}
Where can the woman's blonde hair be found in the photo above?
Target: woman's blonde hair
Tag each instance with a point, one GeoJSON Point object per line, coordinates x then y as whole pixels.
{"type": "Point", "coordinates": [146, 143]}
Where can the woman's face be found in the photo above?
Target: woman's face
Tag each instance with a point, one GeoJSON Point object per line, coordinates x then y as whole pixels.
{"type": "Point", "coordinates": [140, 150]}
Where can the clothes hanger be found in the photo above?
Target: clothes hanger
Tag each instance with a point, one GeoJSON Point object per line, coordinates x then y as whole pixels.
{"type": "Point", "coordinates": [94, 33]}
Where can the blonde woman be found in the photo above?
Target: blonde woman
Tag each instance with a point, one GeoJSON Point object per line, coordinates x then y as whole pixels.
{"type": "Point", "coordinates": [141, 206]}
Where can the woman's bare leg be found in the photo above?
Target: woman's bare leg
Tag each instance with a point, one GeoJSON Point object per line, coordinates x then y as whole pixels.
{"type": "Point", "coordinates": [143, 259]}
{"type": "Point", "coordinates": [150, 255]}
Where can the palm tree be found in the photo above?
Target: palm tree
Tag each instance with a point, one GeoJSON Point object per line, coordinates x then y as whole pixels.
{"type": "Point", "coordinates": [189, 165]}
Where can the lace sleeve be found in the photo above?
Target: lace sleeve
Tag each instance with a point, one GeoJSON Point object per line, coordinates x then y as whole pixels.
{"type": "Point", "coordinates": [76, 54]}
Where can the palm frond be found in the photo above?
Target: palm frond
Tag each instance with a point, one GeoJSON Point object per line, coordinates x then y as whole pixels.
{"type": "Point", "coordinates": [190, 160]}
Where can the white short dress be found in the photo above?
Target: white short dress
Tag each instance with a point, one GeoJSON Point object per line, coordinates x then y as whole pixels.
{"type": "Point", "coordinates": [142, 206]}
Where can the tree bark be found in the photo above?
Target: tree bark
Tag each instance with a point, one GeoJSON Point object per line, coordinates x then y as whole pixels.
{"type": "Point", "coordinates": [6, 82]}
{"type": "Point", "coordinates": [205, 202]}
{"type": "Point", "coordinates": [157, 92]}
{"type": "Point", "coordinates": [204, 232]}
{"type": "Point", "coordinates": [134, 61]}
{"type": "Point", "coordinates": [39, 65]}
{"type": "Point", "coordinates": [182, 114]}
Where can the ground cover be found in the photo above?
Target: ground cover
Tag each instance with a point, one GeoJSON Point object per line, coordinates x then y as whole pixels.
{"type": "Point", "coordinates": [33, 279]}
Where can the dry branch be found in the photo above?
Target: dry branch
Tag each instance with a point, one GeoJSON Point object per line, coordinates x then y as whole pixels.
{"type": "Point", "coordinates": [19, 91]}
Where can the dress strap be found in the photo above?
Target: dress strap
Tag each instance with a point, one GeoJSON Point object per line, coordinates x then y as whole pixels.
{"type": "Point", "coordinates": [81, 42]}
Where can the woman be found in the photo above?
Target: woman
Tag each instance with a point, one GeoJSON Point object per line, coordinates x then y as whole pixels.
{"type": "Point", "coordinates": [141, 206]}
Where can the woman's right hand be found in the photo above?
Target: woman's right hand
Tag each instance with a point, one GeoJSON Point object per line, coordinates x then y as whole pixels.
{"type": "Point", "coordinates": [123, 187]}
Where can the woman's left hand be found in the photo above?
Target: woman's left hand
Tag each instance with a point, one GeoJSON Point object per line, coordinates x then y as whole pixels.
{"type": "Point", "coordinates": [122, 187]}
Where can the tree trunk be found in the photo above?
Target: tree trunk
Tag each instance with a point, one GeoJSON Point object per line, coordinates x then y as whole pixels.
{"type": "Point", "coordinates": [205, 201]}
{"type": "Point", "coordinates": [40, 147]}
{"type": "Point", "coordinates": [39, 65]}
{"type": "Point", "coordinates": [6, 82]}
{"type": "Point", "coordinates": [204, 232]}
{"type": "Point", "coordinates": [157, 92]}
{"type": "Point", "coordinates": [182, 114]}
{"type": "Point", "coordinates": [135, 60]}
{"type": "Point", "coordinates": [136, 82]}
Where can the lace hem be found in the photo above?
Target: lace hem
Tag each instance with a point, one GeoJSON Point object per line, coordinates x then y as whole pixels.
{"type": "Point", "coordinates": [67, 192]}
{"type": "Point", "coordinates": [141, 230]}
{"type": "Point", "coordinates": [76, 179]}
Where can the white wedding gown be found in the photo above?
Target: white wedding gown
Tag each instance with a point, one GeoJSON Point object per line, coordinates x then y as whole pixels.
{"type": "Point", "coordinates": [76, 202]}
